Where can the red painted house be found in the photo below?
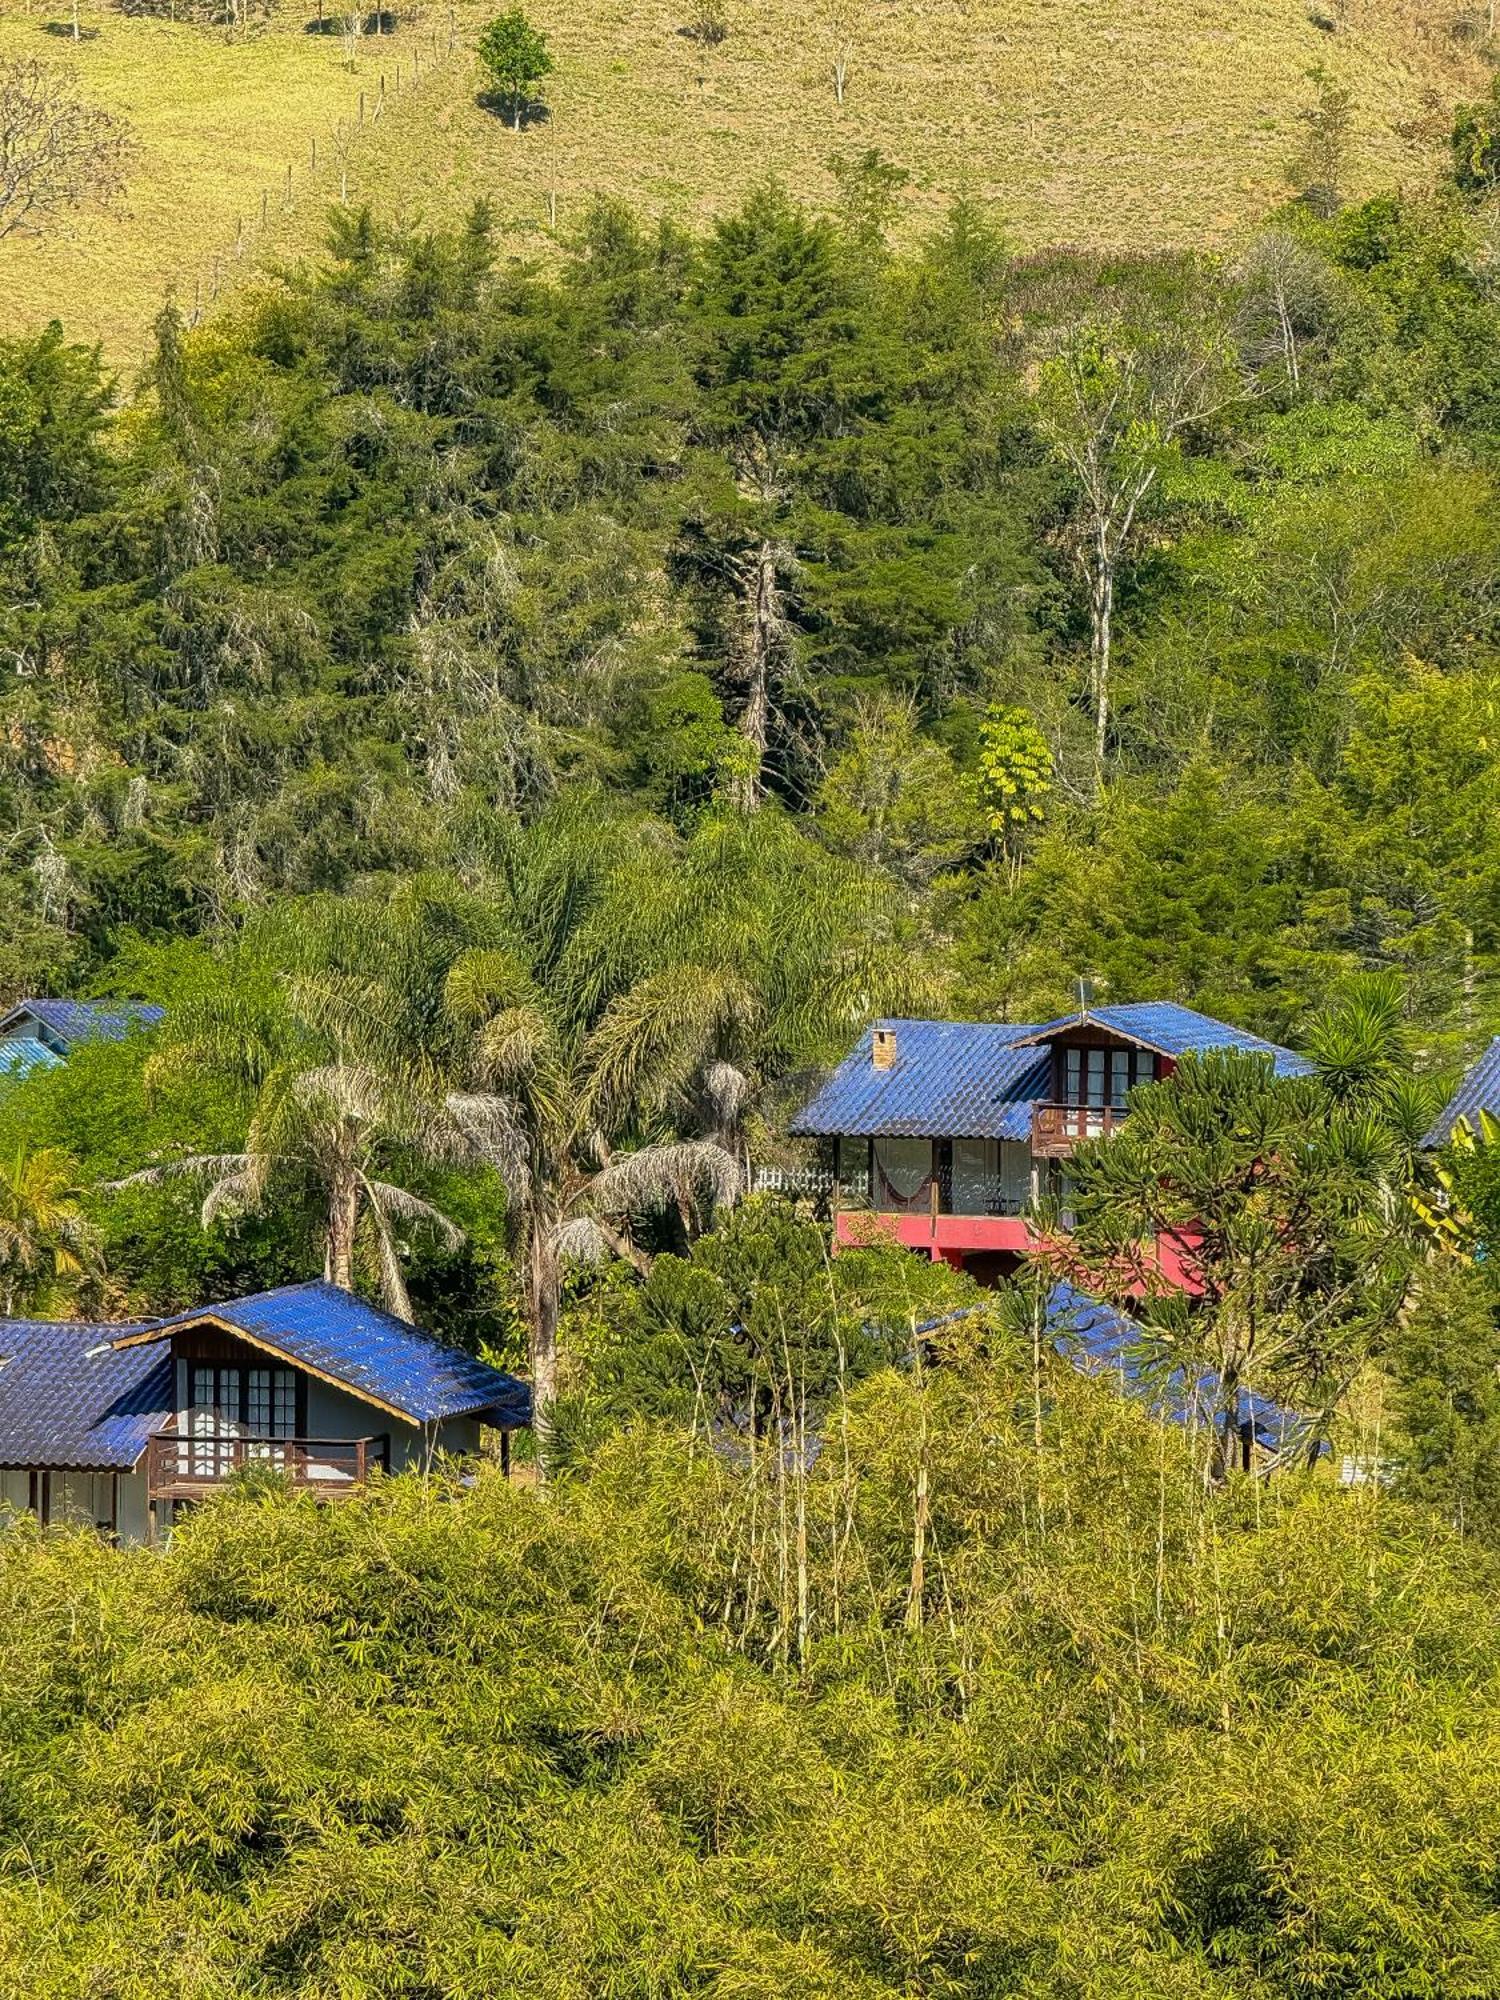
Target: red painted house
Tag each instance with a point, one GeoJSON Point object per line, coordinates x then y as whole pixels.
{"type": "Point", "coordinates": [943, 1133]}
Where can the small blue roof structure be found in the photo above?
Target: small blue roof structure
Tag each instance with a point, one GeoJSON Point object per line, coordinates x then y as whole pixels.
{"type": "Point", "coordinates": [1478, 1091]}
{"type": "Point", "coordinates": [980, 1079]}
{"type": "Point", "coordinates": [70, 1398]}
{"type": "Point", "coordinates": [62, 1024]}
{"type": "Point", "coordinates": [1100, 1339]}
{"type": "Point", "coordinates": [381, 1359]}
{"type": "Point", "coordinates": [21, 1054]}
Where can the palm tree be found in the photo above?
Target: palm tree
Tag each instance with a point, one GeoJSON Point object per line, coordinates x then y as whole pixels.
{"type": "Point", "coordinates": [552, 1098]}
{"type": "Point", "coordinates": [44, 1239]}
{"type": "Point", "coordinates": [340, 1099]}
{"type": "Point", "coordinates": [640, 992]}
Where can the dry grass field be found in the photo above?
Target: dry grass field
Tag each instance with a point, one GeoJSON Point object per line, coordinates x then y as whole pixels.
{"type": "Point", "coordinates": [1099, 121]}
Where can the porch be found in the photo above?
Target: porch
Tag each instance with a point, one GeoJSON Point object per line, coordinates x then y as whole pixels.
{"type": "Point", "coordinates": [183, 1465]}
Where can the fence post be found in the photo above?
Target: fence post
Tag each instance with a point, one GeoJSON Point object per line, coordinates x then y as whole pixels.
{"type": "Point", "coordinates": [361, 108]}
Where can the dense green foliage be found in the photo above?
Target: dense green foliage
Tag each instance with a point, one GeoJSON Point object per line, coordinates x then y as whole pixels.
{"type": "Point", "coordinates": [414, 544]}
{"type": "Point", "coordinates": [1093, 1732]}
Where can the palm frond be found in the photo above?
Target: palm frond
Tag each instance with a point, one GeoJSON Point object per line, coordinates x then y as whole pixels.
{"type": "Point", "coordinates": [486, 982]}
{"type": "Point", "coordinates": [490, 1128]}
{"type": "Point", "coordinates": [198, 1166]}
{"type": "Point", "coordinates": [580, 1240]}
{"type": "Point", "coordinates": [693, 1173]}
{"type": "Point", "coordinates": [386, 1201]}
{"type": "Point", "coordinates": [650, 1040]}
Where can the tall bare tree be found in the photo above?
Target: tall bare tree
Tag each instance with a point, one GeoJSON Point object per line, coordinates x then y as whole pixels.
{"type": "Point", "coordinates": [1117, 393]}
{"type": "Point", "coordinates": [57, 151]}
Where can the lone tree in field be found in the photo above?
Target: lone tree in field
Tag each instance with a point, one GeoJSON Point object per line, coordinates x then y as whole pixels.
{"type": "Point", "coordinates": [56, 151]}
{"type": "Point", "coordinates": [517, 57]}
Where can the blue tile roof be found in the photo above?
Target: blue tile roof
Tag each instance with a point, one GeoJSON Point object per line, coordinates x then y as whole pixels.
{"type": "Point", "coordinates": [73, 1021]}
{"type": "Point", "coordinates": [979, 1079]}
{"type": "Point", "coordinates": [369, 1352]}
{"type": "Point", "coordinates": [950, 1080]}
{"type": "Point", "coordinates": [21, 1054]}
{"type": "Point", "coordinates": [1479, 1091]}
{"type": "Point", "coordinates": [68, 1398]}
{"type": "Point", "coordinates": [1100, 1339]}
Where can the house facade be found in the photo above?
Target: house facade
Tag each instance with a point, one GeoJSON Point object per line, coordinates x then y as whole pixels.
{"type": "Point", "coordinates": [943, 1134]}
{"type": "Point", "coordinates": [119, 1427]}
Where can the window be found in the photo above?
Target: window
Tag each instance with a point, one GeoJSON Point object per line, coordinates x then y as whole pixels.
{"type": "Point", "coordinates": [1119, 1076]}
{"type": "Point", "coordinates": [227, 1403]}
{"type": "Point", "coordinates": [1096, 1062]}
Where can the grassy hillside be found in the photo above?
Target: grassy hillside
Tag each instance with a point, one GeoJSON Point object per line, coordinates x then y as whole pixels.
{"type": "Point", "coordinates": [1136, 121]}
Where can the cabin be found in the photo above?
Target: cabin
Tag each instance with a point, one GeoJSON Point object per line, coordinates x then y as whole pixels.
{"type": "Point", "coordinates": [38, 1034]}
{"type": "Point", "coordinates": [1478, 1090]}
{"type": "Point", "coordinates": [943, 1134]}
{"type": "Point", "coordinates": [121, 1426]}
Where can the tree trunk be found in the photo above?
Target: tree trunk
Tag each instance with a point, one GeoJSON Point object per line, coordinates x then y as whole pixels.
{"type": "Point", "coordinates": [543, 1305]}
{"type": "Point", "coordinates": [1101, 620]}
{"type": "Point", "coordinates": [765, 621]}
{"type": "Point", "coordinates": [343, 1215]}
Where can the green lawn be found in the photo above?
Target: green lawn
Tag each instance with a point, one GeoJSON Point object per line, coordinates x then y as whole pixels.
{"type": "Point", "coordinates": [1099, 121]}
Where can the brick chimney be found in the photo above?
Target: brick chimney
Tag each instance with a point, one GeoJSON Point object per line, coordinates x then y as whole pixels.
{"type": "Point", "coordinates": [883, 1048]}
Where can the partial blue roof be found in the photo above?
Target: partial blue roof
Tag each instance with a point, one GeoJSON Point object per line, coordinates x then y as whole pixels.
{"type": "Point", "coordinates": [979, 1079]}
{"type": "Point", "coordinates": [370, 1353]}
{"type": "Point", "coordinates": [69, 1398]}
{"type": "Point", "coordinates": [1176, 1031]}
{"type": "Point", "coordinates": [949, 1080]}
{"type": "Point", "coordinates": [21, 1054]}
{"type": "Point", "coordinates": [1100, 1339]}
{"type": "Point", "coordinates": [1479, 1091]}
{"type": "Point", "coordinates": [73, 1021]}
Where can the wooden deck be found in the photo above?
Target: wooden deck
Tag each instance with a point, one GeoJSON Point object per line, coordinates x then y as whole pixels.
{"type": "Point", "coordinates": [183, 1467]}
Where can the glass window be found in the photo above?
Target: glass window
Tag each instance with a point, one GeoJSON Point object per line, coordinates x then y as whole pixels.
{"type": "Point", "coordinates": [1119, 1077]}
{"type": "Point", "coordinates": [1096, 1076]}
{"type": "Point", "coordinates": [1072, 1076]}
{"type": "Point", "coordinates": [903, 1173]}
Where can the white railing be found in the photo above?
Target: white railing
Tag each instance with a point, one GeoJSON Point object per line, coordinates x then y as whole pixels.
{"type": "Point", "coordinates": [807, 1183]}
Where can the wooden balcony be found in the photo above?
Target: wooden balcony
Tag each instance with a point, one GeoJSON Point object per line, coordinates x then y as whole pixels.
{"type": "Point", "coordinates": [182, 1467]}
{"type": "Point", "coordinates": [1057, 1128]}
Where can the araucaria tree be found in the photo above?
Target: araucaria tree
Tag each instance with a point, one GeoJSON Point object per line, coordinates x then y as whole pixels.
{"type": "Point", "coordinates": [517, 57]}
{"type": "Point", "coordinates": [1282, 1202]}
{"type": "Point", "coordinates": [57, 151]}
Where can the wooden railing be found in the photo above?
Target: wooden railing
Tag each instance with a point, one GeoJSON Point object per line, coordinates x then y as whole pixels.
{"type": "Point", "coordinates": [1057, 1128]}
{"type": "Point", "coordinates": [180, 1466]}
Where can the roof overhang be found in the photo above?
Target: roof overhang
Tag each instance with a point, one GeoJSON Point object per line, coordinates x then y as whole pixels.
{"type": "Point", "coordinates": [259, 1341]}
{"type": "Point", "coordinates": [1108, 1030]}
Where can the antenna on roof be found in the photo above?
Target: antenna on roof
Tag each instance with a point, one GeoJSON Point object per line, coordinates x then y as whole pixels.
{"type": "Point", "coordinates": [1085, 996]}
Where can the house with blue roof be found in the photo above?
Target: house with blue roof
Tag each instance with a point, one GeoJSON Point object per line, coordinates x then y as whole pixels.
{"type": "Point", "coordinates": [120, 1426]}
{"type": "Point", "coordinates": [38, 1034]}
{"type": "Point", "coordinates": [1478, 1091]}
{"type": "Point", "coordinates": [942, 1134]}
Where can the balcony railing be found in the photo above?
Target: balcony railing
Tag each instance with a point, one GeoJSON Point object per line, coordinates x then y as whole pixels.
{"type": "Point", "coordinates": [947, 1193]}
{"type": "Point", "coordinates": [1057, 1128]}
{"type": "Point", "coordinates": [185, 1466]}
